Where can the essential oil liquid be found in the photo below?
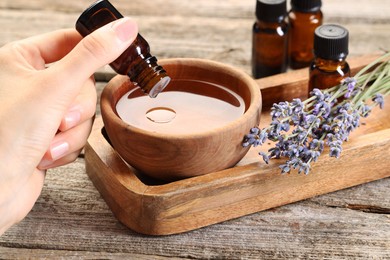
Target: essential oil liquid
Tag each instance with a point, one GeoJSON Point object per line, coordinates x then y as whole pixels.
{"type": "Point", "coordinates": [186, 107]}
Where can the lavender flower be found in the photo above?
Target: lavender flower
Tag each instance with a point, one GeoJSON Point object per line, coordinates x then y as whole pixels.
{"type": "Point", "coordinates": [378, 99]}
{"type": "Point", "coordinates": [351, 83]}
{"type": "Point", "coordinates": [365, 110]}
{"type": "Point", "coordinates": [265, 157]}
{"type": "Point", "coordinates": [318, 94]}
{"type": "Point", "coordinates": [323, 108]}
{"type": "Point", "coordinates": [302, 129]}
{"type": "Point", "coordinates": [255, 137]}
{"type": "Point", "coordinates": [281, 109]}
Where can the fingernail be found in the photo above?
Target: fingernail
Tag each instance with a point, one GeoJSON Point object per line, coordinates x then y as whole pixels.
{"type": "Point", "coordinates": [43, 165]}
{"type": "Point", "coordinates": [72, 118]}
{"type": "Point", "coordinates": [57, 150]}
{"type": "Point", "coordinates": [126, 29]}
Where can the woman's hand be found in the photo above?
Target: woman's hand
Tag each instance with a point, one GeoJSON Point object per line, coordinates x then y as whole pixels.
{"type": "Point", "coordinates": [47, 100]}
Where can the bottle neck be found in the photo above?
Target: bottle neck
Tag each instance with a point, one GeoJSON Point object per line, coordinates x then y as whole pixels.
{"type": "Point", "coordinates": [330, 65]}
{"type": "Point", "coordinates": [316, 11]}
{"type": "Point", "coordinates": [296, 14]}
{"type": "Point", "coordinates": [146, 73]}
{"type": "Point", "coordinates": [271, 25]}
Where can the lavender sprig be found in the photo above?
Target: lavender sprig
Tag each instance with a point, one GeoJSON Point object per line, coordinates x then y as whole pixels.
{"type": "Point", "coordinates": [302, 129]}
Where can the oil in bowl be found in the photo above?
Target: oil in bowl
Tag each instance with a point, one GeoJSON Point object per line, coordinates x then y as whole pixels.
{"type": "Point", "coordinates": [185, 107]}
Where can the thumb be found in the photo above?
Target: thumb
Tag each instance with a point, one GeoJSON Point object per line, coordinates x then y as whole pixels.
{"type": "Point", "coordinates": [97, 49]}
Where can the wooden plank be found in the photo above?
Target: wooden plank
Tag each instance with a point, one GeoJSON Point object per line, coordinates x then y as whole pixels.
{"type": "Point", "coordinates": [322, 227]}
{"type": "Point", "coordinates": [228, 35]}
{"type": "Point", "coordinates": [10, 253]}
{"type": "Point", "coordinates": [349, 9]}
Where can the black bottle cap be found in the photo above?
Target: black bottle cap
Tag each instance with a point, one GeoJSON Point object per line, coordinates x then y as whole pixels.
{"type": "Point", "coordinates": [271, 10]}
{"type": "Point", "coordinates": [306, 6]}
{"type": "Point", "coordinates": [331, 42]}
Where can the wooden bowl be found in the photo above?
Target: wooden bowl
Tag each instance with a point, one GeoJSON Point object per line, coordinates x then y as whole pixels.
{"type": "Point", "coordinates": [173, 156]}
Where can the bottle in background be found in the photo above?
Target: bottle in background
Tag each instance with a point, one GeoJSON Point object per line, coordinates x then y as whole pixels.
{"type": "Point", "coordinates": [269, 46]}
{"type": "Point", "coordinates": [303, 18]}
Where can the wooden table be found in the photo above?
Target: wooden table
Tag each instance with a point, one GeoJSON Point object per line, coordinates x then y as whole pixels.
{"type": "Point", "coordinates": [70, 219]}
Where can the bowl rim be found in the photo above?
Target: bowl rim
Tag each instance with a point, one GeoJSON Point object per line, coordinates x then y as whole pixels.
{"type": "Point", "coordinates": [255, 104]}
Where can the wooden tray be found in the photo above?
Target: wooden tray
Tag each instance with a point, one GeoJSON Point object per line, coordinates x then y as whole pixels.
{"type": "Point", "coordinates": [156, 208]}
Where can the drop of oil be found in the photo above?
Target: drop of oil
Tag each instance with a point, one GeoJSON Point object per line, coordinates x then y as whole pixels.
{"type": "Point", "coordinates": [160, 115]}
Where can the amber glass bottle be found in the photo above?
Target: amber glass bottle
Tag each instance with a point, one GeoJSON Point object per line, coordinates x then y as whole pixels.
{"type": "Point", "coordinates": [330, 49]}
{"type": "Point", "coordinates": [136, 61]}
{"type": "Point", "coordinates": [304, 17]}
{"type": "Point", "coordinates": [269, 46]}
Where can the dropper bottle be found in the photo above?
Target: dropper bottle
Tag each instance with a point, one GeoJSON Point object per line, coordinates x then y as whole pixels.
{"type": "Point", "coordinates": [136, 62]}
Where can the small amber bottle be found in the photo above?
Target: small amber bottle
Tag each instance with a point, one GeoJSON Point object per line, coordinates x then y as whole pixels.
{"type": "Point", "coordinates": [269, 46]}
{"type": "Point", "coordinates": [330, 49]}
{"type": "Point", "coordinates": [136, 61]}
{"type": "Point", "coordinates": [304, 17]}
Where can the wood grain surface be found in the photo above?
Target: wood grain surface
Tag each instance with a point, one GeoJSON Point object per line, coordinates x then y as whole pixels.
{"type": "Point", "coordinates": [71, 220]}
